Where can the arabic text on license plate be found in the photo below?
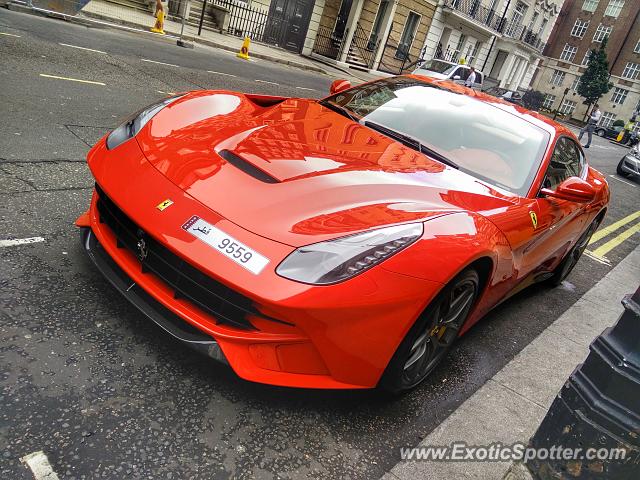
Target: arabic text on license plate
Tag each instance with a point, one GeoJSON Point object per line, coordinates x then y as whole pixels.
{"type": "Point", "coordinates": [226, 245]}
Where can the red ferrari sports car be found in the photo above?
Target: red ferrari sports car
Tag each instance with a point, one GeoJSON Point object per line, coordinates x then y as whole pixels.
{"type": "Point", "coordinates": [339, 243]}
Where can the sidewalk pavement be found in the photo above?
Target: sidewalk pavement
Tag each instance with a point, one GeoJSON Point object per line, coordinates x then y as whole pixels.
{"type": "Point", "coordinates": [511, 405]}
{"type": "Point", "coordinates": [111, 14]}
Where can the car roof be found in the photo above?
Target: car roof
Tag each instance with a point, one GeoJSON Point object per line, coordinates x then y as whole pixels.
{"type": "Point", "coordinates": [552, 127]}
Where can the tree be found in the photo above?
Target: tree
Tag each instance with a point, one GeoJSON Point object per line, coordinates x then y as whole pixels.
{"type": "Point", "coordinates": [595, 80]}
{"type": "Point", "coordinates": [533, 100]}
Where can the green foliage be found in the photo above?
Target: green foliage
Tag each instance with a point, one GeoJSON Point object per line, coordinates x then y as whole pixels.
{"type": "Point", "coordinates": [533, 99]}
{"type": "Point", "coordinates": [595, 80]}
{"type": "Point", "coordinates": [618, 123]}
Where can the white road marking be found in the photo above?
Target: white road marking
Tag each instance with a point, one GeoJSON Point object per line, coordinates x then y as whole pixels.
{"type": "Point", "coordinates": [20, 241]}
{"type": "Point", "coordinates": [82, 48]}
{"type": "Point", "coordinates": [220, 73]}
{"type": "Point", "coordinates": [10, 34]}
{"type": "Point", "coordinates": [305, 88]}
{"type": "Point", "coordinates": [602, 260]}
{"type": "Point", "coordinates": [265, 81]}
{"type": "Point", "coordinates": [160, 63]}
{"type": "Point", "coordinates": [623, 181]}
{"type": "Point", "coordinates": [40, 466]}
{"type": "Point", "coordinates": [166, 93]}
{"type": "Point", "coordinates": [72, 79]}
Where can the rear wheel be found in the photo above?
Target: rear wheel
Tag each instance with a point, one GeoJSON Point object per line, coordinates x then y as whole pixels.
{"type": "Point", "coordinates": [600, 132]}
{"type": "Point", "coordinates": [428, 341]}
{"type": "Point", "coordinates": [571, 259]}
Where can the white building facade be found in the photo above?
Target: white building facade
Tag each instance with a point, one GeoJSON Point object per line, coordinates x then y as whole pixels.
{"type": "Point", "coordinates": [502, 38]}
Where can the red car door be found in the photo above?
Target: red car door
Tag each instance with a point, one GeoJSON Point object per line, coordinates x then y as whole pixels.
{"type": "Point", "coordinates": [556, 223]}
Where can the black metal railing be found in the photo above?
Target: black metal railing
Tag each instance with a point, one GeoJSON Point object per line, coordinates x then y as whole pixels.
{"type": "Point", "coordinates": [473, 9]}
{"type": "Point", "coordinates": [525, 35]}
{"type": "Point", "coordinates": [361, 51]}
{"type": "Point", "coordinates": [243, 20]}
{"type": "Point", "coordinates": [327, 43]}
{"type": "Point", "coordinates": [396, 57]}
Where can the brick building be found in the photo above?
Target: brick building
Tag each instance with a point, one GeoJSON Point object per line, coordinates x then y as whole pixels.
{"type": "Point", "coordinates": [581, 26]}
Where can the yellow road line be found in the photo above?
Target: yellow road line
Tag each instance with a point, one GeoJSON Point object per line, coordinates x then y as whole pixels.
{"type": "Point", "coordinates": [600, 234]}
{"type": "Point", "coordinates": [72, 79]}
{"type": "Point", "coordinates": [602, 250]}
{"type": "Point", "coordinates": [10, 34]}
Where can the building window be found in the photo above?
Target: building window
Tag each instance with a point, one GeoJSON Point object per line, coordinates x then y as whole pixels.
{"type": "Point", "coordinates": [585, 60]}
{"type": "Point", "coordinates": [590, 5]}
{"type": "Point", "coordinates": [614, 8]}
{"type": "Point", "coordinates": [631, 71]}
{"type": "Point", "coordinates": [568, 53]}
{"type": "Point", "coordinates": [607, 119]}
{"type": "Point", "coordinates": [557, 78]}
{"type": "Point", "coordinates": [567, 107]}
{"type": "Point", "coordinates": [408, 35]}
{"type": "Point", "coordinates": [548, 101]}
{"type": "Point", "coordinates": [601, 32]}
{"type": "Point", "coordinates": [574, 85]}
{"type": "Point", "coordinates": [579, 28]}
{"type": "Point", "coordinates": [637, 47]}
{"type": "Point", "coordinates": [619, 95]}
{"type": "Point", "coordinates": [542, 25]}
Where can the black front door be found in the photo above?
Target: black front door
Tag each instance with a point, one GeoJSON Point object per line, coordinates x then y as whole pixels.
{"type": "Point", "coordinates": [341, 21]}
{"type": "Point", "coordinates": [288, 22]}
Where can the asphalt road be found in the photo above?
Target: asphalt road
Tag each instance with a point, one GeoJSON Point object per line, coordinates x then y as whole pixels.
{"type": "Point", "coordinates": [106, 394]}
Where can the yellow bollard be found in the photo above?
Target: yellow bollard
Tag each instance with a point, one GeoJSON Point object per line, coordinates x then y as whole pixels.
{"type": "Point", "coordinates": [159, 26]}
{"type": "Point", "coordinates": [244, 50]}
{"type": "Point", "coordinates": [620, 136]}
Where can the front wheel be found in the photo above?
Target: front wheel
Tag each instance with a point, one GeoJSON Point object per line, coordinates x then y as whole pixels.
{"type": "Point", "coordinates": [431, 337]}
{"type": "Point", "coordinates": [571, 259]}
{"type": "Point", "coordinates": [600, 132]}
{"type": "Point", "coordinates": [619, 170]}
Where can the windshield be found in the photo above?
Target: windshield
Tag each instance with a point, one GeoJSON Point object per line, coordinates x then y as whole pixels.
{"type": "Point", "coordinates": [482, 140]}
{"type": "Point", "coordinates": [437, 66]}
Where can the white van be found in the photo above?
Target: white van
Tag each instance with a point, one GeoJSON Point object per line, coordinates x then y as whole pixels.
{"type": "Point", "coordinates": [443, 70]}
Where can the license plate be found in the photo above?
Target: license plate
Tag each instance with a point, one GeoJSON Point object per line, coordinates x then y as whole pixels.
{"type": "Point", "coordinates": [226, 245]}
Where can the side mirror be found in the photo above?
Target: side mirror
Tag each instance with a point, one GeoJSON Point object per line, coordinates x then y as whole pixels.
{"type": "Point", "coordinates": [573, 189]}
{"type": "Point", "coordinates": [338, 86]}
{"type": "Point", "coordinates": [457, 77]}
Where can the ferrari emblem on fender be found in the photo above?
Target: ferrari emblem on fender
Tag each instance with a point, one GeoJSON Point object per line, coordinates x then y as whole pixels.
{"type": "Point", "coordinates": [166, 204]}
{"type": "Point", "coordinates": [534, 219]}
{"type": "Point", "coordinates": [143, 249]}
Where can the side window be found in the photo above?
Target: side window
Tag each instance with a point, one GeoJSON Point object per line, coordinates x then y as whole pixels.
{"type": "Point", "coordinates": [462, 72]}
{"type": "Point", "coordinates": [566, 161]}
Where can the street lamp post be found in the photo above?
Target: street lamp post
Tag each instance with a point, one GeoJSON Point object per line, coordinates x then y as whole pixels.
{"type": "Point", "coordinates": [181, 42]}
{"type": "Point", "coordinates": [555, 113]}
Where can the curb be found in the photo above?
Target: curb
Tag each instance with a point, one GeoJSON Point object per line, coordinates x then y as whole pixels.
{"type": "Point", "coordinates": [110, 22]}
{"type": "Point", "coordinates": [509, 407]}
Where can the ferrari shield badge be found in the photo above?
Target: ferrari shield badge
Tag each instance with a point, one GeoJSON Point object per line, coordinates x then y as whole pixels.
{"type": "Point", "coordinates": [534, 219]}
{"type": "Point", "coordinates": [166, 204]}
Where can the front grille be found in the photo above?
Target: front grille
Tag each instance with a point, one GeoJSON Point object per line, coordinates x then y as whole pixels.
{"type": "Point", "coordinates": [188, 282]}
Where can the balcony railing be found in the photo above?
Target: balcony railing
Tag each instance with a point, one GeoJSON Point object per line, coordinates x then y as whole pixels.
{"type": "Point", "coordinates": [525, 35]}
{"type": "Point", "coordinates": [476, 11]}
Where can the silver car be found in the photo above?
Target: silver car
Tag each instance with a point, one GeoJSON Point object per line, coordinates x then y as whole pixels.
{"type": "Point", "coordinates": [630, 163]}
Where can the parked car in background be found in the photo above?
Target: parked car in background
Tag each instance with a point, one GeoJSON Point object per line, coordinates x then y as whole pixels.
{"type": "Point", "coordinates": [444, 70]}
{"type": "Point", "coordinates": [508, 95]}
{"type": "Point", "coordinates": [629, 165]}
{"type": "Point", "coordinates": [608, 132]}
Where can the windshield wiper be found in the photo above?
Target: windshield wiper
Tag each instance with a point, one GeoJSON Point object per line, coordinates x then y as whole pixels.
{"type": "Point", "coordinates": [339, 109]}
{"type": "Point", "coordinates": [410, 141]}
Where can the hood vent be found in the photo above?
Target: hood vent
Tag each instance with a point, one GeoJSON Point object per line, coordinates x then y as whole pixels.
{"type": "Point", "coordinates": [247, 167]}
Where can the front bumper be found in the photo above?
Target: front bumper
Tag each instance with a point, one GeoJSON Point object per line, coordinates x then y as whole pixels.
{"type": "Point", "coordinates": [630, 165]}
{"type": "Point", "coordinates": [337, 336]}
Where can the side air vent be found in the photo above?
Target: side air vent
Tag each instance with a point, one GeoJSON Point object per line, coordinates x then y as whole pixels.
{"type": "Point", "coordinates": [246, 167]}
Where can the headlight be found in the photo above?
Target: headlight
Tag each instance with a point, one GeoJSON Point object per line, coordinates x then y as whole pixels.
{"type": "Point", "coordinates": [134, 124]}
{"type": "Point", "coordinates": [336, 260]}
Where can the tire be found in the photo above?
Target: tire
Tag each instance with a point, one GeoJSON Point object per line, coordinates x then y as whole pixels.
{"type": "Point", "coordinates": [431, 337]}
{"type": "Point", "coordinates": [600, 132]}
{"type": "Point", "coordinates": [619, 170]}
{"type": "Point", "coordinates": [570, 260]}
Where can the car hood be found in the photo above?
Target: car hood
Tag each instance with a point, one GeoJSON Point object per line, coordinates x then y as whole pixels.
{"type": "Point", "coordinates": [296, 172]}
